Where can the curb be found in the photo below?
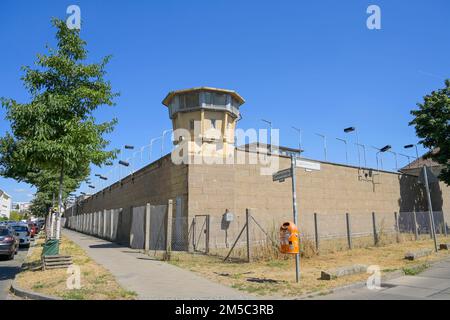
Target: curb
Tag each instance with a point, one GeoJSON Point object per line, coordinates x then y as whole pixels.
{"type": "Point", "coordinates": [22, 293]}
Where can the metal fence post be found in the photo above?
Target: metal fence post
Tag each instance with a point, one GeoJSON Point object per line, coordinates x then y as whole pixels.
{"type": "Point", "coordinates": [445, 223]}
{"type": "Point", "coordinates": [397, 230]}
{"type": "Point", "coordinates": [349, 231]}
{"type": "Point", "coordinates": [316, 232]}
{"type": "Point", "coordinates": [247, 223]}
{"type": "Point", "coordinates": [375, 235]}
{"type": "Point", "coordinates": [104, 224]}
{"type": "Point", "coordinates": [169, 229]}
{"type": "Point", "coordinates": [111, 231]}
{"type": "Point", "coordinates": [147, 228]}
{"type": "Point", "coordinates": [193, 233]}
{"type": "Point", "coordinates": [207, 234]}
{"type": "Point", "coordinates": [416, 231]}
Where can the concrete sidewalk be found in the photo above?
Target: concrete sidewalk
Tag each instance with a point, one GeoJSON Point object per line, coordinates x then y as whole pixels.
{"type": "Point", "coordinates": [432, 284]}
{"type": "Point", "coordinates": [150, 278]}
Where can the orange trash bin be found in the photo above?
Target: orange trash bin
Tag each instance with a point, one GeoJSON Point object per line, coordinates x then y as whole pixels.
{"type": "Point", "coordinates": [289, 242]}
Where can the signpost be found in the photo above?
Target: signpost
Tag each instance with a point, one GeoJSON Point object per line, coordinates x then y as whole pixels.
{"type": "Point", "coordinates": [281, 176]}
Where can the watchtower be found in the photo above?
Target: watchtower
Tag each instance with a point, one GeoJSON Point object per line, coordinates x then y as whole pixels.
{"type": "Point", "coordinates": [209, 114]}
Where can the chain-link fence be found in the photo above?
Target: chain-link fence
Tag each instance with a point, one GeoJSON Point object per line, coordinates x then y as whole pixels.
{"type": "Point", "coordinates": [251, 236]}
{"type": "Point", "coordinates": [318, 232]}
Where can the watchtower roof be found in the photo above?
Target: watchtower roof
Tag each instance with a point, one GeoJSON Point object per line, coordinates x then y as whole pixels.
{"type": "Point", "coordinates": [168, 99]}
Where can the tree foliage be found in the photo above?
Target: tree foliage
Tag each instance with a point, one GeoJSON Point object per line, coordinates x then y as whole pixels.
{"type": "Point", "coordinates": [54, 138]}
{"type": "Point", "coordinates": [432, 124]}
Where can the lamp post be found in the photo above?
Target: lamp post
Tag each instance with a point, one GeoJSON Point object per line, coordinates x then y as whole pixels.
{"type": "Point", "coordinates": [125, 163]}
{"type": "Point", "coordinates": [353, 129]}
{"type": "Point", "coordinates": [125, 147]}
{"type": "Point", "coordinates": [408, 157]}
{"type": "Point", "coordinates": [382, 150]}
{"type": "Point", "coordinates": [408, 146]}
{"type": "Point", "coordinates": [364, 152]}
{"type": "Point", "coordinates": [270, 133]}
{"type": "Point", "coordinates": [346, 151]}
{"type": "Point", "coordinates": [395, 156]}
{"type": "Point", "coordinates": [162, 141]}
{"type": "Point", "coordinates": [324, 144]}
{"type": "Point", "coordinates": [299, 138]}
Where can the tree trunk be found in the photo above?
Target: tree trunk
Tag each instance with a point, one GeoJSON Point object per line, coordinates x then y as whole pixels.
{"type": "Point", "coordinates": [60, 203]}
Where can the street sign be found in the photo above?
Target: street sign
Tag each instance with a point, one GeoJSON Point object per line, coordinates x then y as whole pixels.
{"type": "Point", "coordinates": [430, 175]}
{"type": "Point", "coordinates": [282, 174]}
{"type": "Point", "coordinates": [307, 165]}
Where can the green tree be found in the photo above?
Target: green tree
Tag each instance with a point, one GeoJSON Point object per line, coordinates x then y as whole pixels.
{"type": "Point", "coordinates": [56, 132]}
{"type": "Point", "coordinates": [432, 123]}
{"type": "Point", "coordinates": [15, 216]}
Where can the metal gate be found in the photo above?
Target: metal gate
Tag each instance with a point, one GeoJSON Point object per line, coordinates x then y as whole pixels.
{"type": "Point", "coordinates": [200, 233]}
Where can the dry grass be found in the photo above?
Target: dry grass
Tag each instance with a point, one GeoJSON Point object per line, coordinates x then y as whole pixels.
{"type": "Point", "coordinates": [96, 282]}
{"type": "Point", "coordinates": [282, 270]}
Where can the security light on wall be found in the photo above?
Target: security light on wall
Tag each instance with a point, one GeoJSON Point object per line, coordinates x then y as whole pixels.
{"type": "Point", "coordinates": [128, 147]}
{"type": "Point", "coordinates": [386, 148]}
{"type": "Point", "coordinates": [92, 187]}
{"type": "Point", "coordinates": [103, 178]}
{"type": "Point", "coordinates": [408, 146]}
{"type": "Point", "coordinates": [349, 129]}
{"type": "Point", "coordinates": [124, 163]}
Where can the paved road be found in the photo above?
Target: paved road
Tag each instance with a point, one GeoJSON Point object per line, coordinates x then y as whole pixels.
{"type": "Point", "coordinates": [434, 284]}
{"type": "Point", "coordinates": [8, 269]}
{"type": "Point", "coordinates": [150, 278]}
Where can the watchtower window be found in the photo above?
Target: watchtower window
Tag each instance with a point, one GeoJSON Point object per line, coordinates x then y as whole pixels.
{"type": "Point", "coordinates": [220, 99]}
{"type": "Point", "coordinates": [208, 98]}
{"type": "Point", "coordinates": [192, 100]}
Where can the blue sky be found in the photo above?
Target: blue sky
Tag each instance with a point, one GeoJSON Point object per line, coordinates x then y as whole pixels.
{"type": "Point", "coordinates": [309, 64]}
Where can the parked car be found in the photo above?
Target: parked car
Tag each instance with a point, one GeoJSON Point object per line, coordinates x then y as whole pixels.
{"type": "Point", "coordinates": [23, 232]}
{"type": "Point", "coordinates": [9, 242]}
{"type": "Point", "coordinates": [40, 223]}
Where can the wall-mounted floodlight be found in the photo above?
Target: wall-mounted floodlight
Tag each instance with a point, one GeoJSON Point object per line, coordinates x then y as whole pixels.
{"type": "Point", "coordinates": [382, 150]}
{"type": "Point", "coordinates": [91, 186]}
{"type": "Point", "coordinates": [386, 148]}
{"type": "Point", "coordinates": [353, 129]}
{"type": "Point", "coordinates": [83, 193]}
{"type": "Point", "coordinates": [349, 129]}
{"type": "Point", "coordinates": [103, 178]}
{"type": "Point", "coordinates": [408, 146]}
{"type": "Point", "coordinates": [97, 175]}
{"type": "Point", "coordinates": [124, 163]}
{"type": "Point", "coordinates": [128, 147]}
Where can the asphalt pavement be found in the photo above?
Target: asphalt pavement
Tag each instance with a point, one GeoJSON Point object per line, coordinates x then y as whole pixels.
{"type": "Point", "coordinates": [8, 270]}
{"type": "Point", "coordinates": [432, 284]}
